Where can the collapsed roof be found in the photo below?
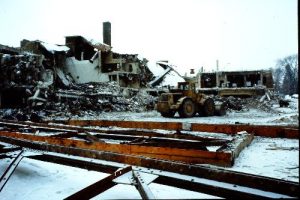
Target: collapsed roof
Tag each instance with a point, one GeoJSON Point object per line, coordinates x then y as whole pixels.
{"type": "Point", "coordinates": [165, 75]}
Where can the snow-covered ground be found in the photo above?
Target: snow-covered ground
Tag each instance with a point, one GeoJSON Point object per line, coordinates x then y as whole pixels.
{"type": "Point", "coordinates": [274, 116]}
{"type": "Point", "coordinates": [271, 157]}
{"type": "Point", "coordinates": [253, 116]}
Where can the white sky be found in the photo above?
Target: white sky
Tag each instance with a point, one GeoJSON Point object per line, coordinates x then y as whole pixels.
{"type": "Point", "coordinates": [241, 34]}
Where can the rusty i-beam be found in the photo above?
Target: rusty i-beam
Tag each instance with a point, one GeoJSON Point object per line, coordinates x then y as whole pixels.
{"type": "Point", "coordinates": [69, 131]}
{"type": "Point", "coordinates": [222, 158]}
{"type": "Point", "coordinates": [98, 187]}
{"type": "Point", "coordinates": [162, 146]}
{"type": "Point", "coordinates": [10, 170]}
{"type": "Point", "coordinates": [272, 131]}
{"type": "Point", "coordinates": [212, 173]}
{"type": "Point", "coordinates": [223, 189]}
{"type": "Point", "coordinates": [258, 130]}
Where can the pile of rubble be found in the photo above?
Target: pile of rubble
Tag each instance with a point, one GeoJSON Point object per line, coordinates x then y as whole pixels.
{"type": "Point", "coordinates": [257, 102]}
{"type": "Point", "coordinates": [19, 70]}
{"type": "Point", "coordinates": [84, 100]}
{"type": "Point", "coordinates": [104, 97]}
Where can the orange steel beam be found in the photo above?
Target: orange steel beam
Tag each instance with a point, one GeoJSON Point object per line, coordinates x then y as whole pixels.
{"type": "Point", "coordinates": [191, 156]}
{"type": "Point", "coordinates": [75, 129]}
{"type": "Point", "coordinates": [258, 130]}
{"type": "Point", "coordinates": [100, 186]}
{"type": "Point", "coordinates": [213, 173]}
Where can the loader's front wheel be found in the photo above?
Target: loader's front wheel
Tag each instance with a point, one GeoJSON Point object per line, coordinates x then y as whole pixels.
{"type": "Point", "coordinates": [187, 109]}
{"type": "Point", "coordinates": [209, 107]}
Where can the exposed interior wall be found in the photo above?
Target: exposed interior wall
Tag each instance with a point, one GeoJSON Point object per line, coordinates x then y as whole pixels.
{"type": "Point", "coordinates": [125, 79]}
{"type": "Point", "coordinates": [80, 48]}
{"type": "Point", "coordinates": [83, 71]}
{"type": "Point", "coordinates": [85, 65]}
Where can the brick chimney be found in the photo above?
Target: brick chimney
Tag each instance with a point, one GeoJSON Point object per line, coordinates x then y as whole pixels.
{"type": "Point", "coordinates": [107, 33]}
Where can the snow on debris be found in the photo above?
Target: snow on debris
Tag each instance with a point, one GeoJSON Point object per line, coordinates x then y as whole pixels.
{"type": "Point", "coordinates": [53, 47]}
{"type": "Point", "coordinates": [167, 72]}
{"type": "Point", "coordinates": [171, 79]}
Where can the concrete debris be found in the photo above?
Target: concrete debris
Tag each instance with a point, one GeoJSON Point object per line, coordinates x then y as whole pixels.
{"type": "Point", "coordinates": [265, 103]}
{"type": "Point", "coordinates": [17, 70]}
{"type": "Point", "coordinates": [81, 100]}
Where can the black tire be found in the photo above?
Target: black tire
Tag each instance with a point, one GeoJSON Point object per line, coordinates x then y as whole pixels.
{"type": "Point", "coordinates": [168, 114]}
{"type": "Point", "coordinates": [208, 108]}
{"type": "Point", "coordinates": [220, 109]}
{"type": "Point", "coordinates": [187, 109]}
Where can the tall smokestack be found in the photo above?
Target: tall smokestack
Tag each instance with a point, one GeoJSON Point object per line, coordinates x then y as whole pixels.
{"type": "Point", "coordinates": [107, 33]}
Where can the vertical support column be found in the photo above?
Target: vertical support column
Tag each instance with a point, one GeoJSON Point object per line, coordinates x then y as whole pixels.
{"type": "Point", "coordinates": [100, 60]}
{"type": "Point", "coordinates": [199, 80]}
{"type": "Point", "coordinates": [261, 78]}
{"type": "Point", "coordinates": [225, 80]}
{"type": "Point", "coordinates": [217, 74]}
{"type": "Point", "coordinates": [118, 78]}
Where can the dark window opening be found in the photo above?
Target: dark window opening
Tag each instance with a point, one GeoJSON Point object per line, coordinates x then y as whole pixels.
{"type": "Point", "coordinates": [113, 78]}
{"type": "Point", "coordinates": [253, 79]}
{"type": "Point", "coordinates": [235, 80]}
{"type": "Point", "coordinates": [130, 68]}
{"type": "Point", "coordinates": [109, 67]}
{"type": "Point", "coordinates": [208, 80]}
{"type": "Point", "coordinates": [264, 80]}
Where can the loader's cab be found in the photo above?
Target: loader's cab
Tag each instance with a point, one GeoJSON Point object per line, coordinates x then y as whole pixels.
{"type": "Point", "coordinates": [187, 88]}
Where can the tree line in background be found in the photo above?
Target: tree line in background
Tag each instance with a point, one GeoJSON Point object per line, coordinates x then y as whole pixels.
{"type": "Point", "coordinates": [285, 75]}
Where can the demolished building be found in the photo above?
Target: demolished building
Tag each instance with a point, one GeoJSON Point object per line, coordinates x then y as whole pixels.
{"type": "Point", "coordinates": [89, 61]}
{"type": "Point", "coordinates": [235, 83]}
{"type": "Point", "coordinates": [95, 62]}
{"type": "Point", "coordinates": [39, 73]}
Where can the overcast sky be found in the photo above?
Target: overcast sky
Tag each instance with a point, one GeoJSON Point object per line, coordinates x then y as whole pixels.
{"type": "Point", "coordinates": [241, 34]}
